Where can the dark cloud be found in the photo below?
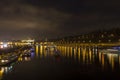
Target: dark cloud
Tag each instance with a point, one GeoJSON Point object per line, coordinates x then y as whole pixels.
{"type": "Point", "coordinates": [53, 18]}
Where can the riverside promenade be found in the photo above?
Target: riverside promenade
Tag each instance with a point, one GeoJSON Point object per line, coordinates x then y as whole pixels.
{"type": "Point", "coordinates": [10, 55]}
{"type": "Point", "coordinates": [89, 44]}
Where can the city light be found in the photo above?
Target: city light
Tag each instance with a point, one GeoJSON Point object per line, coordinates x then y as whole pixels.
{"type": "Point", "coordinates": [5, 45]}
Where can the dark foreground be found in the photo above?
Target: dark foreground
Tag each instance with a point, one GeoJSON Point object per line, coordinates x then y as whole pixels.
{"type": "Point", "coordinates": [70, 64]}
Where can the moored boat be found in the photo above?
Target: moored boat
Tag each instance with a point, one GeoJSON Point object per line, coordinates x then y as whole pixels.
{"type": "Point", "coordinates": [110, 51]}
{"type": "Point", "coordinates": [8, 60]}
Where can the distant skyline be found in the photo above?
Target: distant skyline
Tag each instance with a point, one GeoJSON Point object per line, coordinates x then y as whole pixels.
{"type": "Point", "coordinates": [22, 19]}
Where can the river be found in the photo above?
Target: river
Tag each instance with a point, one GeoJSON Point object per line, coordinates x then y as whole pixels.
{"type": "Point", "coordinates": [83, 62]}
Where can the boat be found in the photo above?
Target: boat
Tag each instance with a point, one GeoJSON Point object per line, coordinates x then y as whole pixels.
{"type": "Point", "coordinates": [32, 50]}
{"type": "Point", "coordinates": [56, 53]}
{"type": "Point", "coordinates": [113, 50]}
{"type": "Point", "coordinates": [8, 60]}
{"type": "Point", "coordinates": [26, 53]}
{"type": "Point", "coordinates": [110, 51]}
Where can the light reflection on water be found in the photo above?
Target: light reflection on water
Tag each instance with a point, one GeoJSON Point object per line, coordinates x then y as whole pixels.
{"type": "Point", "coordinates": [90, 55]}
{"type": "Point", "coordinates": [5, 70]}
{"type": "Point", "coordinates": [82, 55]}
{"type": "Point", "coordinates": [44, 52]}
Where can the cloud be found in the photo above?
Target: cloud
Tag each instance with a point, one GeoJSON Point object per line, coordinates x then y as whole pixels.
{"type": "Point", "coordinates": [56, 18]}
{"type": "Point", "coordinates": [28, 19]}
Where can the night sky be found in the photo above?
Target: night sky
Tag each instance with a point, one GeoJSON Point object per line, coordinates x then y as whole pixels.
{"type": "Point", "coordinates": [22, 19]}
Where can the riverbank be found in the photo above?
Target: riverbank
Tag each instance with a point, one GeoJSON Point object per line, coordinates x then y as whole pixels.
{"type": "Point", "coordinates": [10, 55]}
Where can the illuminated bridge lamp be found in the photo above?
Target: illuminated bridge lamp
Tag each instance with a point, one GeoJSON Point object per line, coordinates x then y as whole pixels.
{"type": "Point", "coordinates": [1, 46]}
{"type": "Point", "coordinates": [5, 45]}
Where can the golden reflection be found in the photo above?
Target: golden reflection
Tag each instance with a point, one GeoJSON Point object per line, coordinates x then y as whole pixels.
{"type": "Point", "coordinates": [84, 55]}
{"type": "Point", "coordinates": [93, 57]}
{"type": "Point", "coordinates": [79, 54]}
{"type": "Point", "coordinates": [90, 55]}
{"type": "Point", "coordinates": [70, 51]}
{"type": "Point", "coordinates": [1, 72]}
{"type": "Point", "coordinates": [112, 62]}
{"type": "Point", "coordinates": [20, 59]}
{"type": "Point", "coordinates": [87, 55]}
{"type": "Point", "coordinates": [65, 51]}
{"type": "Point", "coordinates": [41, 51]}
{"type": "Point", "coordinates": [84, 52]}
{"type": "Point", "coordinates": [110, 58]}
{"type": "Point", "coordinates": [37, 50]}
{"type": "Point", "coordinates": [100, 57]}
{"type": "Point", "coordinates": [103, 62]}
{"type": "Point", "coordinates": [62, 50]}
{"type": "Point", "coordinates": [114, 58]}
{"type": "Point", "coordinates": [75, 50]}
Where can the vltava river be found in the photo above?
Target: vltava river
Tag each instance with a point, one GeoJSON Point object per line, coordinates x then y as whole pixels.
{"type": "Point", "coordinates": [81, 62]}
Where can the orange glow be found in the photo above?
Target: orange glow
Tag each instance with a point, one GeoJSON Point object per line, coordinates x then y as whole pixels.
{"type": "Point", "coordinates": [79, 54]}
{"type": "Point", "coordinates": [37, 50]}
{"type": "Point", "coordinates": [84, 51]}
{"type": "Point", "coordinates": [103, 61]}
{"type": "Point", "coordinates": [90, 55]}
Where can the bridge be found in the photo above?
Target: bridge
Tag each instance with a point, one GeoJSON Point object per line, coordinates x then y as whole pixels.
{"type": "Point", "coordinates": [89, 44]}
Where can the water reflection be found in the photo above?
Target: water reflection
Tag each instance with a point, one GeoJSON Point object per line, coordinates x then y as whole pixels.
{"type": "Point", "coordinates": [25, 59]}
{"type": "Point", "coordinates": [83, 55]}
{"type": "Point", "coordinates": [72, 60]}
{"type": "Point", "coordinates": [4, 70]}
{"type": "Point", "coordinates": [36, 49]}
{"type": "Point", "coordinates": [44, 51]}
{"type": "Point", "coordinates": [91, 55]}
